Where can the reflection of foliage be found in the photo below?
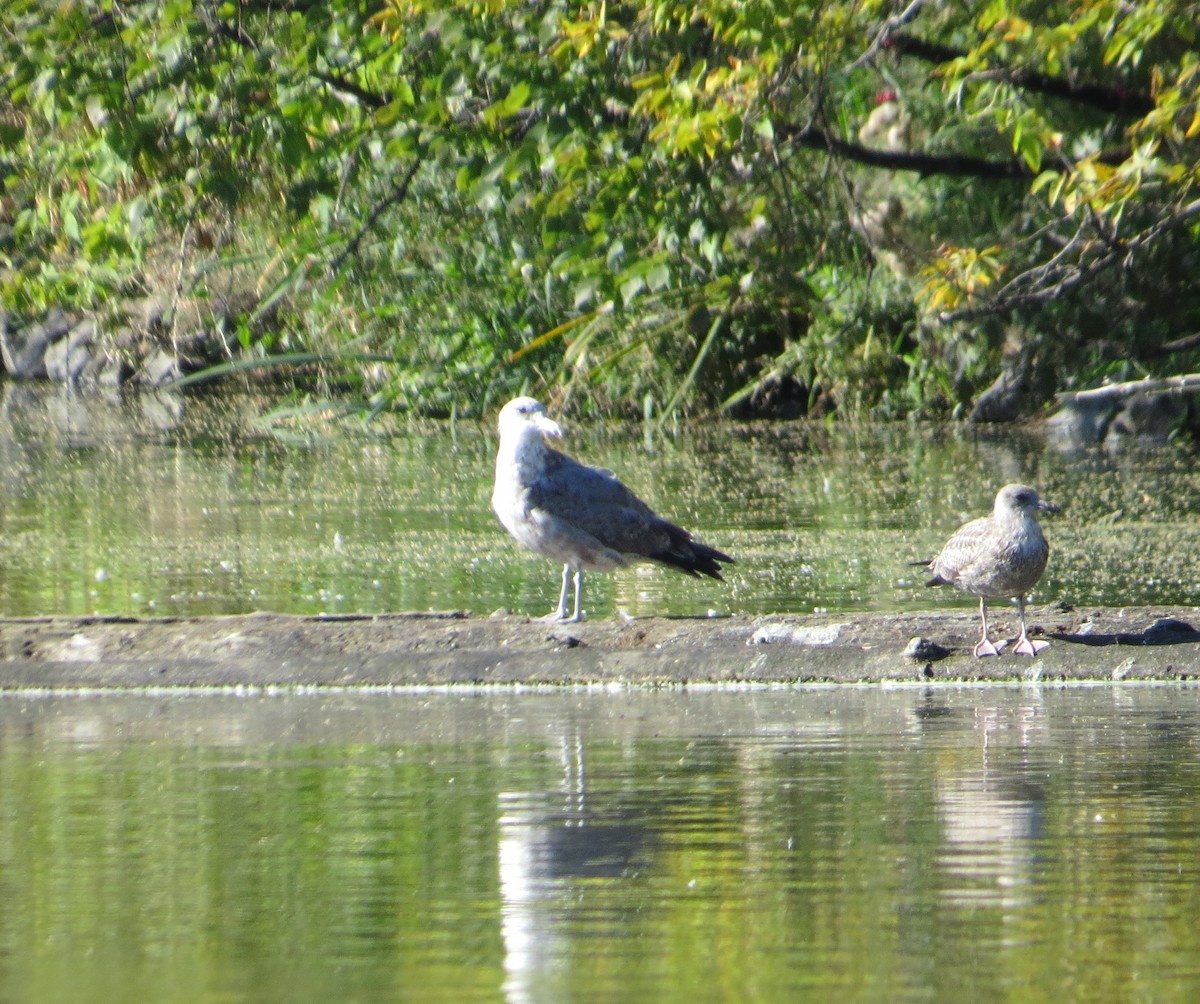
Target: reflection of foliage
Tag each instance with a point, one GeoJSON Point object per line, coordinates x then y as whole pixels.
{"type": "Point", "coordinates": [643, 198]}
{"type": "Point", "coordinates": [834, 846]}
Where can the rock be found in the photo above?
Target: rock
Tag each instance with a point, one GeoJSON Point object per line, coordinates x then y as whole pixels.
{"type": "Point", "coordinates": [24, 351]}
{"type": "Point", "coordinates": [67, 358]}
{"type": "Point", "coordinates": [103, 370]}
{"type": "Point", "coordinates": [113, 372]}
{"type": "Point", "coordinates": [162, 410]}
{"type": "Point", "coordinates": [148, 314]}
{"type": "Point", "coordinates": [1146, 420]}
{"type": "Point", "coordinates": [1001, 402]}
{"type": "Point", "coordinates": [1137, 413]}
{"type": "Point", "coordinates": [158, 369]}
{"type": "Point", "coordinates": [159, 337]}
{"type": "Point", "coordinates": [778, 396]}
{"type": "Point", "coordinates": [925, 650]}
{"type": "Point", "coordinates": [814, 636]}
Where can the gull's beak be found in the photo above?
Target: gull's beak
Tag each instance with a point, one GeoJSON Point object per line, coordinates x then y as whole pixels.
{"type": "Point", "coordinates": [1047, 506]}
{"type": "Point", "coordinates": [547, 426]}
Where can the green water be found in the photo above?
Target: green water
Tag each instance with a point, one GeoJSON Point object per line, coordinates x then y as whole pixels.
{"type": "Point", "coordinates": [866, 844]}
{"type": "Point", "coordinates": [158, 506]}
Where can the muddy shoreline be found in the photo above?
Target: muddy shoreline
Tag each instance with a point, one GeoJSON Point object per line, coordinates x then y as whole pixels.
{"type": "Point", "coordinates": [444, 649]}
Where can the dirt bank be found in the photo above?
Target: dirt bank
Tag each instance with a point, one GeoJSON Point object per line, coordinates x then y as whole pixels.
{"type": "Point", "coordinates": [403, 650]}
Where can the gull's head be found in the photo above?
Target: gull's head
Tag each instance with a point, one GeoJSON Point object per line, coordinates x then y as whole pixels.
{"type": "Point", "coordinates": [523, 414]}
{"type": "Point", "coordinates": [1021, 500]}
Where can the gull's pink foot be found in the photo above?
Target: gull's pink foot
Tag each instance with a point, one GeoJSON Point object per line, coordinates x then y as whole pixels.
{"type": "Point", "coordinates": [985, 647]}
{"type": "Point", "coordinates": [1027, 646]}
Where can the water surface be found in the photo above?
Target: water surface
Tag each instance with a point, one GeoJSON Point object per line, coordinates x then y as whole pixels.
{"type": "Point", "coordinates": [161, 505]}
{"type": "Point", "coordinates": [987, 843]}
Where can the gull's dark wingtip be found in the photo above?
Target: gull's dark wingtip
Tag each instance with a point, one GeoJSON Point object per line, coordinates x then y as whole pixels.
{"type": "Point", "coordinates": [696, 560]}
{"type": "Point", "coordinates": [937, 580]}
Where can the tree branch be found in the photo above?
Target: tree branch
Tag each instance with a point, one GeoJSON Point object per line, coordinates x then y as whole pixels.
{"type": "Point", "coordinates": [1110, 100]}
{"type": "Point", "coordinates": [1118, 391]}
{"type": "Point", "coordinates": [1184, 344]}
{"type": "Point", "coordinates": [924, 164]}
{"type": "Point", "coordinates": [398, 194]}
{"type": "Point", "coordinates": [885, 33]}
{"type": "Point", "coordinates": [345, 86]}
{"type": "Point", "coordinates": [1063, 273]}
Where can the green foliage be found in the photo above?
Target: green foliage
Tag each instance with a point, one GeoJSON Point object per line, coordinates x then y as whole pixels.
{"type": "Point", "coordinates": [621, 200]}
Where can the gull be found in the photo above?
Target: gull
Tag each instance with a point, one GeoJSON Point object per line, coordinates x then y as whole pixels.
{"type": "Point", "coordinates": [579, 515]}
{"type": "Point", "coordinates": [999, 556]}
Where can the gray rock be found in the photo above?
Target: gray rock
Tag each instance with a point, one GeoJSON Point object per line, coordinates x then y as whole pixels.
{"type": "Point", "coordinates": [67, 358]}
{"type": "Point", "coordinates": [148, 314]}
{"type": "Point", "coordinates": [1147, 419]}
{"type": "Point", "coordinates": [925, 650]}
{"type": "Point", "coordinates": [158, 369]}
{"type": "Point", "coordinates": [811, 636]}
{"type": "Point", "coordinates": [113, 372]}
{"type": "Point", "coordinates": [24, 350]}
{"type": "Point", "coordinates": [1002, 401]}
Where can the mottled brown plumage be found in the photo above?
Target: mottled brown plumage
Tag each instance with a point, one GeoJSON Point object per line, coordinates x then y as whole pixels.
{"type": "Point", "coordinates": [1000, 555]}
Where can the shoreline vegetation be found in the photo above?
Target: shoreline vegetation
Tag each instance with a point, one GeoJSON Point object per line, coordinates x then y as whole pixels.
{"type": "Point", "coordinates": [629, 209]}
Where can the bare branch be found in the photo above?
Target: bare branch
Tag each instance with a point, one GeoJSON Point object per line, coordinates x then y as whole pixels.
{"type": "Point", "coordinates": [1179, 346]}
{"type": "Point", "coordinates": [883, 37]}
{"type": "Point", "coordinates": [1071, 266]}
{"type": "Point", "coordinates": [397, 195]}
{"type": "Point", "coordinates": [1118, 391]}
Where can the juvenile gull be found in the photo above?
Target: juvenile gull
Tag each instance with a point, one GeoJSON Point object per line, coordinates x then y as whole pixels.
{"type": "Point", "coordinates": [582, 516]}
{"type": "Point", "coordinates": [997, 556]}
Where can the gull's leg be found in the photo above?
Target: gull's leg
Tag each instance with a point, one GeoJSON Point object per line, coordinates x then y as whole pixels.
{"type": "Point", "coordinates": [983, 646]}
{"type": "Point", "coordinates": [577, 616]}
{"type": "Point", "coordinates": [560, 613]}
{"type": "Point", "coordinates": [1025, 644]}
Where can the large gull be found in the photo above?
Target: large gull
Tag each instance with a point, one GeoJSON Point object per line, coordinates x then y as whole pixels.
{"type": "Point", "coordinates": [579, 515]}
{"type": "Point", "coordinates": [999, 556]}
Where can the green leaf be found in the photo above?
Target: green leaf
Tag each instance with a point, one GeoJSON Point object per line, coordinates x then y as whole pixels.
{"type": "Point", "coordinates": [631, 287]}
{"type": "Point", "coordinates": [95, 110]}
{"type": "Point", "coordinates": [658, 277]}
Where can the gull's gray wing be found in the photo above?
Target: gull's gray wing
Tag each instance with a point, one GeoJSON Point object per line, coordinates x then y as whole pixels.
{"type": "Point", "coordinates": [595, 502]}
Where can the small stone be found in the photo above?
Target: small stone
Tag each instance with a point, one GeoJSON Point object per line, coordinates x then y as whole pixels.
{"type": "Point", "coordinates": [815, 636]}
{"type": "Point", "coordinates": [925, 650]}
{"type": "Point", "coordinates": [570, 641]}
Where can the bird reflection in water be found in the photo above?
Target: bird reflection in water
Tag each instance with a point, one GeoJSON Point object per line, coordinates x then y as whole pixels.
{"type": "Point", "coordinates": [554, 847]}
